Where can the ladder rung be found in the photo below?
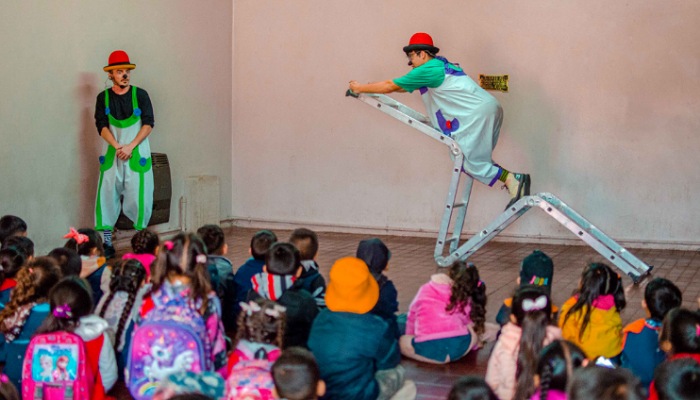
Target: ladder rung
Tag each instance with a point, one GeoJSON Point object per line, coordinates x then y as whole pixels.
{"type": "Point", "coordinates": [458, 205]}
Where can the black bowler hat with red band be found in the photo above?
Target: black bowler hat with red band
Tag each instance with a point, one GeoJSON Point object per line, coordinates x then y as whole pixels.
{"type": "Point", "coordinates": [118, 60]}
{"type": "Point", "coordinates": [421, 41]}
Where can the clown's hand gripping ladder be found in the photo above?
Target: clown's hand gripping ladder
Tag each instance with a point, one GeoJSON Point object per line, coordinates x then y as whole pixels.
{"type": "Point", "coordinates": [550, 204]}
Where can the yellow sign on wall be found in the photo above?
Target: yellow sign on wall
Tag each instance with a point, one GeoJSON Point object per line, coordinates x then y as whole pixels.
{"type": "Point", "coordinates": [494, 82]}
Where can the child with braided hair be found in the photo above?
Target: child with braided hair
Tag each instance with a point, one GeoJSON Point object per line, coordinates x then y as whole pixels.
{"type": "Point", "coordinates": [121, 305]}
{"type": "Point", "coordinates": [557, 364]}
{"type": "Point", "coordinates": [24, 313]}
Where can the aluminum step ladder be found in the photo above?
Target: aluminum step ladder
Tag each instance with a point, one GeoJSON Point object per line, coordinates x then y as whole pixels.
{"type": "Point", "coordinates": [455, 211]}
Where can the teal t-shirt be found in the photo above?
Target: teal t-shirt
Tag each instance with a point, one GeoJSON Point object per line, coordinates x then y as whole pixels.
{"type": "Point", "coordinates": [431, 74]}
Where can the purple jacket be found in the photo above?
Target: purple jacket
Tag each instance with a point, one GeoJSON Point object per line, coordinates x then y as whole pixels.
{"type": "Point", "coordinates": [427, 318]}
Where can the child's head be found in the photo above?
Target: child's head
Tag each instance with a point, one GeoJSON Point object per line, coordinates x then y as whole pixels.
{"type": "Point", "coordinates": [537, 269]}
{"type": "Point", "coordinates": [8, 391]}
{"type": "Point", "coordinates": [183, 256]}
{"type": "Point", "coordinates": [282, 259]}
{"type": "Point", "coordinates": [261, 321]}
{"type": "Point", "coordinates": [306, 241]}
{"type": "Point", "coordinates": [68, 260]}
{"type": "Point", "coordinates": [21, 243]}
{"type": "Point", "coordinates": [678, 379]}
{"type": "Point", "coordinates": [351, 287]}
{"type": "Point", "coordinates": [70, 300]}
{"type": "Point", "coordinates": [600, 383]}
{"type": "Point", "coordinates": [532, 311]}
{"type": "Point", "coordinates": [11, 225]}
{"type": "Point", "coordinates": [261, 243]}
{"type": "Point", "coordinates": [680, 332]}
{"type": "Point", "coordinates": [471, 388]}
{"type": "Point", "coordinates": [468, 290]}
{"type": "Point", "coordinates": [375, 254]}
{"type": "Point", "coordinates": [558, 361]}
{"type": "Point", "coordinates": [145, 242]}
{"type": "Point", "coordinates": [11, 260]}
{"type": "Point", "coordinates": [85, 241]}
{"type": "Point", "coordinates": [296, 375]}
{"type": "Point", "coordinates": [34, 281]}
{"type": "Point", "coordinates": [213, 237]}
{"type": "Point", "coordinates": [660, 297]}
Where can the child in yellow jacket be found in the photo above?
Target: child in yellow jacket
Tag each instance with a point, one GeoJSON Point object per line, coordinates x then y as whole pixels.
{"type": "Point", "coordinates": [591, 318]}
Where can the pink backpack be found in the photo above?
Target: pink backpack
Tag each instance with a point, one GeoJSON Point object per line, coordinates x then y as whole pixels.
{"type": "Point", "coordinates": [251, 376]}
{"type": "Point", "coordinates": [55, 368]}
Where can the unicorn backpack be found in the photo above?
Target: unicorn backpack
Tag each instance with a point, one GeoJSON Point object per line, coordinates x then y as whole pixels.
{"type": "Point", "coordinates": [251, 376]}
{"type": "Point", "coordinates": [55, 368]}
{"type": "Point", "coordinates": [171, 338]}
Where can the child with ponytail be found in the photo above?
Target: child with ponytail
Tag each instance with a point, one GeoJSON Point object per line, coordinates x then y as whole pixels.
{"type": "Point", "coordinates": [513, 362]}
{"type": "Point", "coordinates": [120, 306]}
{"type": "Point", "coordinates": [591, 318]}
{"type": "Point", "coordinates": [181, 271]}
{"type": "Point", "coordinates": [446, 317]}
{"type": "Point", "coordinates": [556, 367]}
{"type": "Point", "coordinates": [88, 243]}
{"type": "Point", "coordinates": [22, 316]}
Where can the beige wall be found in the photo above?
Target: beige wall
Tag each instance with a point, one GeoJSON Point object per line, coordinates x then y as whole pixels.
{"type": "Point", "coordinates": [53, 53]}
{"type": "Point", "coordinates": [602, 110]}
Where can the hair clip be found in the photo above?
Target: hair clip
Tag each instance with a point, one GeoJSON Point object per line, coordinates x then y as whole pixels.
{"type": "Point", "coordinates": [275, 311]}
{"type": "Point", "coordinates": [4, 378]}
{"type": "Point", "coordinates": [31, 270]}
{"type": "Point", "coordinates": [249, 307]}
{"type": "Point", "coordinates": [697, 330]}
{"type": "Point", "coordinates": [535, 305]}
{"type": "Point", "coordinates": [168, 244]}
{"type": "Point", "coordinates": [75, 235]}
{"type": "Point", "coordinates": [201, 258]}
{"type": "Point", "coordinates": [480, 283]}
{"type": "Point", "coordinates": [63, 311]}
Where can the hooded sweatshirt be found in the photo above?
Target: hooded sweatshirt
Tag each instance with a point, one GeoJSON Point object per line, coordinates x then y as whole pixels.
{"type": "Point", "coordinates": [503, 363]}
{"type": "Point", "coordinates": [427, 318]}
{"type": "Point", "coordinates": [376, 255]}
{"type": "Point", "coordinates": [92, 329]}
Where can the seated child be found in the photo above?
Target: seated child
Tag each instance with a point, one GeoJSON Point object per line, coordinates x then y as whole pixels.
{"type": "Point", "coordinates": [217, 263]}
{"type": "Point", "coordinates": [144, 246]}
{"type": "Point", "coordinates": [355, 350]}
{"type": "Point", "coordinates": [88, 244]}
{"type": "Point", "coordinates": [11, 260]}
{"type": "Point", "coordinates": [591, 318]}
{"type": "Point", "coordinates": [11, 225]}
{"type": "Point", "coordinates": [376, 255]}
{"type": "Point", "coordinates": [641, 353]}
{"type": "Point", "coordinates": [601, 383]}
{"type": "Point", "coordinates": [678, 380]}
{"type": "Point", "coordinates": [536, 269]}
{"type": "Point", "coordinates": [22, 244]}
{"type": "Point", "coordinates": [71, 311]}
{"type": "Point", "coordinates": [68, 259]}
{"type": "Point", "coordinates": [296, 376]}
{"type": "Point", "coordinates": [679, 338]}
{"type": "Point", "coordinates": [278, 282]}
{"type": "Point", "coordinates": [259, 246]}
{"type": "Point", "coordinates": [24, 313]}
{"type": "Point", "coordinates": [120, 305]}
{"type": "Point", "coordinates": [471, 388]}
{"type": "Point", "coordinates": [446, 317]}
{"type": "Point", "coordinates": [306, 241]}
{"type": "Point", "coordinates": [558, 361]}
{"type": "Point", "coordinates": [513, 361]}
{"type": "Point", "coordinates": [257, 344]}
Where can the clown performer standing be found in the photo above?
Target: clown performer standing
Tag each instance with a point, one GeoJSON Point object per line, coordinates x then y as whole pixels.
{"type": "Point", "coordinates": [124, 119]}
{"type": "Point", "coordinates": [459, 108]}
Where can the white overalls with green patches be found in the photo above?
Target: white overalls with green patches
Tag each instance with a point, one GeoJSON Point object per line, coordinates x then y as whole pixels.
{"type": "Point", "coordinates": [132, 179]}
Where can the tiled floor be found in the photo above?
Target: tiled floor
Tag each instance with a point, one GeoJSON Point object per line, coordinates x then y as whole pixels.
{"type": "Point", "coordinates": [412, 264]}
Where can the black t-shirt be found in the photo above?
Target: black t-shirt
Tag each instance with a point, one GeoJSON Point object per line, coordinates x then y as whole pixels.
{"type": "Point", "coordinates": [121, 108]}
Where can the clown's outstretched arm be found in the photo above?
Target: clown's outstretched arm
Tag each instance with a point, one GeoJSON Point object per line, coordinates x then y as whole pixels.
{"type": "Point", "coordinates": [376, 87]}
{"type": "Point", "coordinates": [125, 152]}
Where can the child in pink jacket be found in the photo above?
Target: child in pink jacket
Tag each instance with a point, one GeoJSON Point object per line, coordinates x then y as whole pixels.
{"type": "Point", "coordinates": [513, 362]}
{"type": "Point", "coordinates": [446, 316]}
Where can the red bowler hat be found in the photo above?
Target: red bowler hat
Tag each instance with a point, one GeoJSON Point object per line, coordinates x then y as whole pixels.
{"type": "Point", "coordinates": [421, 41]}
{"type": "Point", "coordinates": [119, 60]}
